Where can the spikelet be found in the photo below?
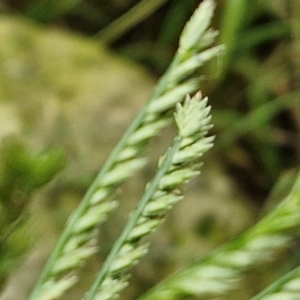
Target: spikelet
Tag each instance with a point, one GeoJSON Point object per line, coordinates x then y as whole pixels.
{"type": "Point", "coordinates": [178, 166]}
{"type": "Point", "coordinates": [219, 272]}
{"type": "Point", "coordinates": [125, 159]}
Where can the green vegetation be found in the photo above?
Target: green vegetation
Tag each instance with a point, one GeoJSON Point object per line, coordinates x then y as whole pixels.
{"type": "Point", "coordinates": [253, 87]}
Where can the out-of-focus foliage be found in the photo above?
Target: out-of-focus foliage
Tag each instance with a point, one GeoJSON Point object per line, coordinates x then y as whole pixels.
{"type": "Point", "coordinates": [256, 90]}
{"type": "Point", "coordinates": [51, 81]}
{"type": "Point", "coordinates": [259, 121]}
{"type": "Point", "coordinates": [57, 90]}
{"type": "Point", "coordinates": [21, 173]}
{"type": "Point", "coordinates": [49, 9]}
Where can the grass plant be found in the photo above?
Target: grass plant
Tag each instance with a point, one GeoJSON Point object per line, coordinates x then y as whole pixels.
{"type": "Point", "coordinates": [74, 246]}
{"type": "Point", "coordinates": [216, 274]}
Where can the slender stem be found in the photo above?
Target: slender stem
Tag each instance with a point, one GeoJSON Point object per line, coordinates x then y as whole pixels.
{"type": "Point", "coordinates": [232, 22]}
{"type": "Point", "coordinates": [133, 220]}
{"type": "Point", "coordinates": [131, 18]}
{"type": "Point", "coordinates": [278, 285]}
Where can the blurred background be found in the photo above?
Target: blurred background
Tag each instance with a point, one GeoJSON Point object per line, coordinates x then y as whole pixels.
{"type": "Point", "coordinates": [73, 73]}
